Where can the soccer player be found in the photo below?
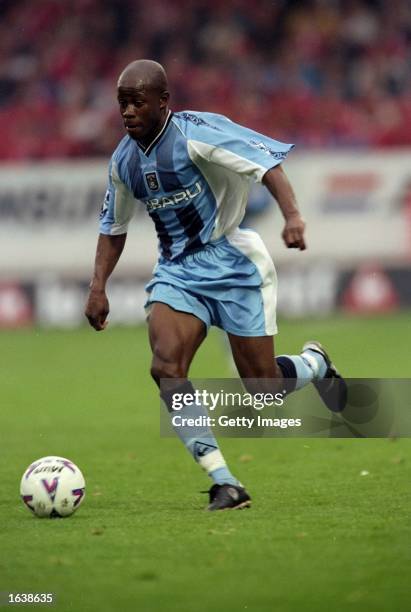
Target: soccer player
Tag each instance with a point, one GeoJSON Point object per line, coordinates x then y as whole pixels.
{"type": "Point", "coordinates": [192, 172]}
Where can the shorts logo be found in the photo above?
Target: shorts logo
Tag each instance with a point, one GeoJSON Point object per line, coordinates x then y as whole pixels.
{"type": "Point", "coordinates": [152, 181]}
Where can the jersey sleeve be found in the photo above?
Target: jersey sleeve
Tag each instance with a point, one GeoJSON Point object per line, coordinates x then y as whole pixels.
{"type": "Point", "coordinates": [219, 140]}
{"type": "Point", "coordinates": [118, 206]}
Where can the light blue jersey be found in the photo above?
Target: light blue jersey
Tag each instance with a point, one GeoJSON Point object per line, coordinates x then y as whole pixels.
{"type": "Point", "coordinates": [194, 179]}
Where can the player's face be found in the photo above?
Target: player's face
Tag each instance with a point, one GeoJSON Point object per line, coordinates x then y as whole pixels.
{"type": "Point", "coordinates": [142, 110]}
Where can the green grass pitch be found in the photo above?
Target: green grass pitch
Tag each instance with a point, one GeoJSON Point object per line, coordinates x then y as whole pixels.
{"type": "Point", "coordinates": [319, 536]}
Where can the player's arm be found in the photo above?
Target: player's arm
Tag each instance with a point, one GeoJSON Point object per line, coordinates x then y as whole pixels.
{"type": "Point", "coordinates": [109, 249]}
{"type": "Point", "coordinates": [116, 213]}
{"type": "Point", "coordinates": [216, 139]}
{"type": "Point", "coordinates": [279, 186]}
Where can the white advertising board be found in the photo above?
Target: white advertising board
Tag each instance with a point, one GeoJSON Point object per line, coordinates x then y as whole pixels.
{"type": "Point", "coordinates": [357, 207]}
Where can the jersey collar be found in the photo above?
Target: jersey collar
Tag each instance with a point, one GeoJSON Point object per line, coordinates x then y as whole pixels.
{"type": "Point", "coordinates": [147, 150]}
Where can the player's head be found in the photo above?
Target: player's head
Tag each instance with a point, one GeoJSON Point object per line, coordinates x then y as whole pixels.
{"type": "Point", "coordinates": [142, 92]}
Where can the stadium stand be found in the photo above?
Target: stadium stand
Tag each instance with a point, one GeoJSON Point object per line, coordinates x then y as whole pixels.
{"type": "Point", "coordinates": [319, 73]}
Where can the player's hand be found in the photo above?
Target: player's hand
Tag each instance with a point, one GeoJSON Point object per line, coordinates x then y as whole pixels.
{"type": "Point", "coordinates": [293, 233]}
{"type": "Point", "coordinates": [97, 309]}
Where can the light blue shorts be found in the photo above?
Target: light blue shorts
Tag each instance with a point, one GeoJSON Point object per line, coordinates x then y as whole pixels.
{"type": "Point", "coordinates": [230, 283]}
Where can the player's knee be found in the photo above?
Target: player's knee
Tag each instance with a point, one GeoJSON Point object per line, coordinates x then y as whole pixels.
{"type": "Point", "coordinates": [167, 369]}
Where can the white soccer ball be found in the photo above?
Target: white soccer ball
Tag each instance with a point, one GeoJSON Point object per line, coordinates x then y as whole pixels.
{"type": "Point", "coordinates": [52, 487]}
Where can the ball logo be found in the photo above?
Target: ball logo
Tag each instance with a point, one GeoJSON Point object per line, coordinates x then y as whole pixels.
{"type": "Point", "coordinates": [79, 493]}
{"type": "Point", "coordinates": [26, 499]}
{"type": "Point", "coordinates": [51, 488]}
{"type": "Point", "coordinates": [32, 468]}
{"type": "Point", "coordinates": [68, 464]}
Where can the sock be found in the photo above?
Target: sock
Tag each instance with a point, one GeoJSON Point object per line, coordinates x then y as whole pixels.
{"type": "Point", "coordinates": [299, 370]}
{"type": "Point", "coordinates": [200, 440]}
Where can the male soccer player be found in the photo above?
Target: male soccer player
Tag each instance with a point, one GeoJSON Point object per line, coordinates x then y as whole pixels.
{"type": "Point", "coordinates": [192, 171]}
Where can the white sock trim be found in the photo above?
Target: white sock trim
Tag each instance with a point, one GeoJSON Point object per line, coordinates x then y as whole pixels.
{"type": "Point", "coordinates": [311, 362]}
{"type": "Point", "coordinates": [212, 461]}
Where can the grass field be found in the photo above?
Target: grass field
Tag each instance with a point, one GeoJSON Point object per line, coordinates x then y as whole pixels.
{"type": "Point", "coordinates": [319, 536]}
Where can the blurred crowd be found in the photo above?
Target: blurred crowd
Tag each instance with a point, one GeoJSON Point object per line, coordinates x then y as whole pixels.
{"type": "Point", "coordinates": [320, 73]}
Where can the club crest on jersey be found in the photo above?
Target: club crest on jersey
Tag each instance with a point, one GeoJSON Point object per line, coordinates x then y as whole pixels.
{"type": "Point", "coordinates": [152, 181]}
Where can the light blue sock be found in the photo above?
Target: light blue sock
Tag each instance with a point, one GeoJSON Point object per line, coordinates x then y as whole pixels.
{"type": "Point", "coordinates": [201, 443]}
{"type": "Point", "coordinates": [316, 362]}
{"type": "Point", "coordinates": [309, 365]}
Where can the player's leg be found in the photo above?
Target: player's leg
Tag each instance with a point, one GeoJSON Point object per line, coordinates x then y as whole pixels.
{"type": "Point", "coordinates": [175, 337]}
{"type": "Point", "coordinates": [255, 359]}
{"type": "Point", "coordinates": [247, 311]}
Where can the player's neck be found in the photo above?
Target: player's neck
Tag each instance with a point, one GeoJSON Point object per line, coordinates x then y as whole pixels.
{"type": "Point", "coordinates": [147, 140]}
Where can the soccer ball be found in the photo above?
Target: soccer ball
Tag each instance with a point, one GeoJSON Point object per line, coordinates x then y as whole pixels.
{"type": "Point", "coordinates": [52, 487]}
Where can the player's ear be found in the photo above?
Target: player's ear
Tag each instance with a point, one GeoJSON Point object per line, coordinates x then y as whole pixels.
{"type": "Point", "coordinates": [164, 98]}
